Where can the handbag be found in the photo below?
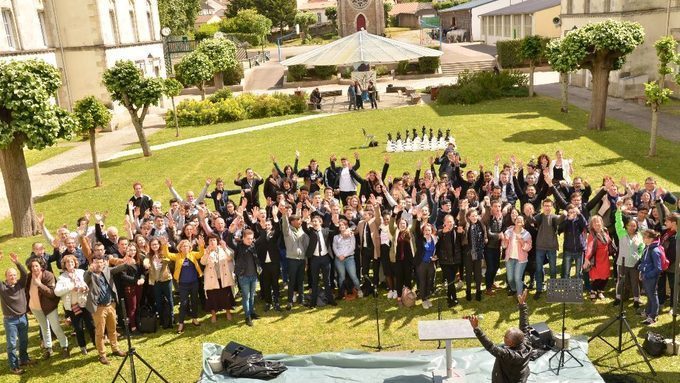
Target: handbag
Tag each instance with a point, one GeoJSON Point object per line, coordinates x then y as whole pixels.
{"type": "Point", "coordinates": [408, 297]}
{"type": "Point", "coordinates": [654, 344]}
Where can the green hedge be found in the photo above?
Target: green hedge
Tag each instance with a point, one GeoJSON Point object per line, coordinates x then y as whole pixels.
{"type": "Point", "coordinates": [245, 106]}
{"type": "Point", "coordinates": [220, 95]}
{"type": "Point", "coordinates": [479, 86]}
{"type": "Point", "coordinates": [206, 31]}
{"type": "Point", "coordinates": [321, 72]}
{"type": "Point", "coordinates": [250, 38]}
{"type": "Point", "coordinates": [234, 75]}
{"type": "Point", "coordinates": [324, 72]}
{"type": "Point", "coordinates": [297, 72]}
{"type": "Point", "coordinates": [428, 64]}
{"type": "Point", "coordinates": [509, 53]}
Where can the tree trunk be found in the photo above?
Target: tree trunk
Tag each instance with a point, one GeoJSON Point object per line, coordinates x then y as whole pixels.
{"type": "Point", "coordinates": [174, 114]}
{"type": "Point", "coordinates": [655, 125]}
{"type": "Point", "coordinates": [18, 189]}
{"type": "Point", "coordinates": [564, 82]}
{"type": "Point", "coordinates": [138, 123]}
{"type": "Point", "coordinates": [598, 108]}
{"type": "Point", "coordinates": [531, 80]}
{"type": "Point", "coordinates": [202, 89]}
{"type": "Point", "coordinates": [95, 162]}
{"type": "Point", "coordinates": [219, 80]}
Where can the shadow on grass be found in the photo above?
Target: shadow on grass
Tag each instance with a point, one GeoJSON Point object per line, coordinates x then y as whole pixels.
{"type": "Point", "coordinates": [56, 195]}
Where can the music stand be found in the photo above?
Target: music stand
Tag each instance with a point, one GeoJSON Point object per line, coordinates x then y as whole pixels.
{"type": "Point", "coordinates": [564, 290]}
{"type": "Point", "coordinates": [379, 347]}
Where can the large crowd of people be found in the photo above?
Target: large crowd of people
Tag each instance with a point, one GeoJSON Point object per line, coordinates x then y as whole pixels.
{"type": "Point", "coordinates": [342, 234]}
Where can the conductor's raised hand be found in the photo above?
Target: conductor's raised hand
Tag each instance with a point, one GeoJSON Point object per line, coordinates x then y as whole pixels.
{"type": "Point", "coordinates": [474, 321]}
{"type": "Point", "coordinates": [522, 299]}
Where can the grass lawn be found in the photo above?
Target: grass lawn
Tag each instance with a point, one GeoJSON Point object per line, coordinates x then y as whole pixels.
{"type": "Point", "coordinates": [36, 156]}
{"type": "Point", "coordinates": [520, 126]}
{"type": "Point", "coordinates": [168, 134]}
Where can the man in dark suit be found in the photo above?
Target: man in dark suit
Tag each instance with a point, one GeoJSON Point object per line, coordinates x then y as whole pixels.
{"type": "Point", "coordinates": [319, 253]}
{"type": "Point", "coordinates": [250, 185]}
{"type": "Point", "coordinates": [140, 200]}
{"type": "Point", "coordinates": [269, 257]}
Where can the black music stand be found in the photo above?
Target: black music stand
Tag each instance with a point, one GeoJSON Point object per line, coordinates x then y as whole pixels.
{"type": "Point", "coordinates": [564, 290]}
{"type": "Point", "coordinates": [380, 346]}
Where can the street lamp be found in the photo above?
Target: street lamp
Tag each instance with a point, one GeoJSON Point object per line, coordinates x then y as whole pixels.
{"type": "Point", "coordinates": [278, 39]}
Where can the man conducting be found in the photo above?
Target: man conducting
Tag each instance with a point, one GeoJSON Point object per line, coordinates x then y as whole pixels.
{"type": "Point", "coordinates": [512, 358]}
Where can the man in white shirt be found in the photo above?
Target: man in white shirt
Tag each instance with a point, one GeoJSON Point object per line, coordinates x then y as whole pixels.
{"type": "Point", "coordinates": [319, 253]}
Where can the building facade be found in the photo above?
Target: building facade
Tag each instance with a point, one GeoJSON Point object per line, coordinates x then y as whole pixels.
{"type": "Point", "coordinates": [410, 14]}
{"type": "Point", "coordinates": [83, 38]}
{"type": "Point", "coordinates": [354, 15]}
{"type": "Point", "coordinates": [528, 18]}
{"type": "Point", "coordinates": [467, 16]}
{"type": "Point", "coordinates": [316, 7]}
{"type": "Point", "coordinates": [656, 18]}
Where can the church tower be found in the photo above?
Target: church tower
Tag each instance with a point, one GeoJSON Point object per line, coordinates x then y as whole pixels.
{"type": "Point", "coordinates": [356, 14]}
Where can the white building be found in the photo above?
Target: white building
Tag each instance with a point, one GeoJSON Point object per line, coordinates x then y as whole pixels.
{"type": "Point", "coordinates": [468, 15]}
{"type": "Point", "coordinates": [83, 38]}
{"type": "Point", "coordinates": [317, 7]}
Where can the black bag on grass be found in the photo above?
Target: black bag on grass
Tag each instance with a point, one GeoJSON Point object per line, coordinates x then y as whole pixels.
{"type": "Point", "coordinates": [242, 362]}
{"type": "Point", "coordinates": [147, 319]}
{"type": "Point", "coordinates": [654, 344]}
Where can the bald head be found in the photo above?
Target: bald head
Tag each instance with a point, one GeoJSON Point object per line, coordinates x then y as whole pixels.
{"type": "Point", "coordinates": [513, 337]}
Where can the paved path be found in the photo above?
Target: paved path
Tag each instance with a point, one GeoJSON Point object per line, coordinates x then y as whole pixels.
{"type": "Point", "coordinates": [48, 175]}
{"type": "Point", "coordinates": [173, 144]}
{"type": "Point", "coordinates": [624, 110]}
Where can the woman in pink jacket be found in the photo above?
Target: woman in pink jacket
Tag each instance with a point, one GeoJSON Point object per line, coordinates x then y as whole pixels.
{"type": "Point", "coordinates": [218, 278]}
{"type": "Point", "coordinates": [517, 243]}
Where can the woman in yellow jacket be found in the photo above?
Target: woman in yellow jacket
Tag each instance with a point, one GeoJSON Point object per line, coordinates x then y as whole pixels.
{"type": "Point", "coordinates": [187, 274]}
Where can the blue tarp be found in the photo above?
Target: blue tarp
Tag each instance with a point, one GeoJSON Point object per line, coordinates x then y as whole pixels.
{"type": "Point", "coordinates": [407, 367]}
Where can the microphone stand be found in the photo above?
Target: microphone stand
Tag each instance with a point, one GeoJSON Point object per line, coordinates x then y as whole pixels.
{"type": "Point", "coordinates": [621, 319]}
{"type": "Point", "coordinates": [379, 347]}
{"type": "Point", "coordinates": [131, 354]}
{"type": "Point", "coordinates": [439, 290]}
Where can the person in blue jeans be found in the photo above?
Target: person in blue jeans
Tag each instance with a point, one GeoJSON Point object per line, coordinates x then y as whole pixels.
{"type": "Point", "coordinates": [650, 269]}
{"type": "Point", "coordinates": [517, 243]}
{"type": "Point", "coordinates": [14, 305]}
{"type": "Point", "coordinates": [246, 265]}
{"type": "Point", "coordinates": [344, 244]}
{"type": "Point", "coordinates": [546, 242]}
{"type": "Point", "coordinates": [573, 245]}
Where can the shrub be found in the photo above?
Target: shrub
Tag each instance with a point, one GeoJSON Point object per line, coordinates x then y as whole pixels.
{"type": "Point", "coordinates": [381, 70]}
{"type": "Point", "coordinates": [250, 38]}
{"type": "Point", "coordinates": [233, 76]}
{"type": "Point", "coordinates": [296, 72]}
{"type": "Point", "coordinates": [206, 31]}
{"type": "Point", "coordinates": [228, 109]}
{"type": "Point", "coordinates": [347, 73]}
{"type": "Point", "coordinates": [325, 72]}
{"type": "Point", "coordinates": [510, 53]}
{"type": "Point", "coordinates": [428, 64]}
{"type": "Point", "coordinates": [474, 87]}
{"type": "Point", "coordinates": [402, 67]}
{"type": "Point", "coordinates": [220, 95]}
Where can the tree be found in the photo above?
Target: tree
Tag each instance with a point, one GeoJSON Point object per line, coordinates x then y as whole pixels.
{"type": "Point", "coordinates": [222, 54]}
{"type": "Point", "coordinates": [91, 114]}
{"type": "Point", "coordinates": [178, 15]}
{"type": "Point", "coordinates": [305, 19]}
{"type": "Point", "coordinates": [235, 6]}
{"type": "Point", "coordinates": [600, 48]}
{"type": "Point", "coordinates": [387, 7]}
{"type": "Point", "coordinates": [655, 91]}
{"type": "Point", "coordinates": [531, 50]}
{"type": "Point", "coordinates": [248, 21]}
{"type": "Point", "coordinates": [563, 61]}
{"type": "Point", "coordinates": [172, 88]}
{"type": "Point", "coordinates": [280, 12]}
{"type": "Point", "coordinates": [332, 15]}
{"type": "Point", "coordinates": [28, 117]}
{"type": "Point", "coordinates": [128, 86]}
{"type": "Point", "coordinates": [195, 69]}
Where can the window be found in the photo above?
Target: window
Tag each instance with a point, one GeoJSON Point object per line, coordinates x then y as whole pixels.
{"type": "Point", "coordinates": [10, 30]}
{"type": "Point", "coordinates": [318, 17]}
{"type": "Point", "coordinates": [485, 21]}
{"type": "Point", "coordinates": [453, 21]}
{"type": "Point", "coordinates": [133, 21]}
{"type": "Point", "coordinates": [506, 26]}
{"type": "Point", "coordinates": [607, 6]}
{"type": "Point", "coordinates": [43, 27]}
{"type": "Point", "coordinates": [149, 20]}
{"type": "Point", "coordinates": [516, 26]}
{"type": "Point", "coordinates": [114, 22]}
{"type": "Point", "coordinates": [586, 6]}
{"type": "Point", "coordinates": [570, 7]}
{"type": "Point", "coordinates": [528, 30]}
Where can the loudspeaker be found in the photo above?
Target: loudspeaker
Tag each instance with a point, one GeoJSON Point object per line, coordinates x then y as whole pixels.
{"type": "Point", "coordinates": [540, 335]}
{"type": "Point", "coordinates": [557, 21]}
{"type": "Point", "coordinates": [239, 350]}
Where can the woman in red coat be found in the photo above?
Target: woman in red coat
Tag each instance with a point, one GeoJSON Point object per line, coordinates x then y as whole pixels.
{"type": "Point", "coordinates": [597, 257]}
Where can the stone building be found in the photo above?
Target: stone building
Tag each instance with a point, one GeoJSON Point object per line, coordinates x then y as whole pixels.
{"type": "Point", "coordinates": [353, 15]}
{"type": "Point", "coordinates": [83, 38]}
{"type": "Point", "coordinates": [656, 18]}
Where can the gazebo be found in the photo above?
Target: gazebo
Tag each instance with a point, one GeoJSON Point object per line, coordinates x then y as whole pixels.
{"type": "Point", "coordinates": [362, 47]}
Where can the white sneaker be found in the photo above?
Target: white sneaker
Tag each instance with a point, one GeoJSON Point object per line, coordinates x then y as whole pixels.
{"type": "Point", "coordinates": [459, 285]}
{"type": "Point", "coordinates": [395, 295]}
{"type": "Point", "coordinates": [425, 305]}
{"type": "Point", "coordinates": [360, 293]}
{"type": "Point", "coordinates": [389, 294]}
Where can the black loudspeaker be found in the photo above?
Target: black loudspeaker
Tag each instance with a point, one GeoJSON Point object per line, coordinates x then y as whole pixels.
{"type": "Point", "coordinates": [239, 350]}
{"type": "Point", "coordinates": [540, 336]}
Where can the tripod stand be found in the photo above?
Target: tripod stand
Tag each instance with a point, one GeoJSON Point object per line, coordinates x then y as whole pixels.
{"type": "Point", "coordinates": [621, 319]}
{"type": "Point", "coordinates": [567, 290]}
{"type": "Point", "coordinates": [131, 354]}
{"type": "Point", "coordinates": [379, 347]}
